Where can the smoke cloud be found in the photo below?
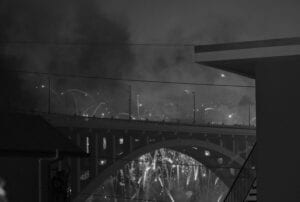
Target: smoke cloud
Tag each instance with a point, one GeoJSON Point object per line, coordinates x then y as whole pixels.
{"type": "Point", "coordinates": [122, 22]}
{"type": "Point", "coordinates": [51, 29]}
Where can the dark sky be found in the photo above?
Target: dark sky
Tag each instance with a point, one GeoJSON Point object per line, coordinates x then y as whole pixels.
{"type": "Point", "coordinates": [140, 21]}
{"type": "Point", "coordinates": [207, 21]}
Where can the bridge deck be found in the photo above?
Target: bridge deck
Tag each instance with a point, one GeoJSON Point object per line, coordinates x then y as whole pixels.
{"type": "Point", "coordinates": [121, 124]}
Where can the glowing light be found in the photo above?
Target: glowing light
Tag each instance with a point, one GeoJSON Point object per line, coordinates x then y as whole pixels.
{"type": "Point", "coordinates": [104, 143]}
{"type": "Point", "coordinates": [216, 181]}
{"type": "Point", "coordinates": [230, 116]}
{"type": "Point", "coordinates": [207, 153]}
{"type": "Point", "coordinates": [223, 75]}
{"type": "Point", "coordinates": [171, 197]}
{"type": "Point", "coordinates": [85, 175]}
{"type": "Point", "coordinates": [196, 172]}
{"type": "Point", "coordinates": [139, 181]}
{"type": "Point", "coordinates": [121, 140]}
{"type": "Point", "coordinates": [102, 162]}
{"type": "Point", "coordinates": [160, 181]}
{"type": "Point", "coordinates": [43, 86]}
{"type": "Point", "coordinates": [187, 91]}
{"type": "Point", "coordinates": [145, 175]}
{"type": "Point", "coordinates": [208, 108]}
{"type": "Point", "coordinates": [188, 179]}
{"type": "Point", "coordinates": [168, 159]}
{"type": "Point", "coordinates": [87, 144]}
{"type": "Point", "coordinates": [219, 198]}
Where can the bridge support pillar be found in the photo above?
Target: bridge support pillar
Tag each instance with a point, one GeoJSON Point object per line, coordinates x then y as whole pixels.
{"type": "Point", "coordinates": [278, 112]}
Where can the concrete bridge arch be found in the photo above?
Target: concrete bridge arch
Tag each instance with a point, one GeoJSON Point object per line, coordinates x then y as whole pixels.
{"type": "Point", "coordinates": [192, 147]}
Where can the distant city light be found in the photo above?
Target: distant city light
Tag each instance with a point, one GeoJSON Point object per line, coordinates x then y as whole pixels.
{"type": "Point", "coordinates": [187, 91]}
{"type": "Point", "coordinates": [207, 153]}
{"type": "Point", "coordinates": [87, 141]}
{"type": "Point", "coordinates": [102, 162]}
{"type": "Point", "coordinates": [104, 143]}
{"type": "Point", "coordinates": [208, 108]}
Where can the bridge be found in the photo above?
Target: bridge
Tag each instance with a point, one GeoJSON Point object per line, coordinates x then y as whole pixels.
{"type": "Point", "coordinates": [112, 143]}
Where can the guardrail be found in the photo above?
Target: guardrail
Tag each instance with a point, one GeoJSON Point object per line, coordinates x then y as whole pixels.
{"type": "Point", "coordinates": [115, 99]}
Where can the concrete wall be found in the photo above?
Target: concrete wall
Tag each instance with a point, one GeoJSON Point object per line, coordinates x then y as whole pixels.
{"type": "Point", "coordinates": [278, 134]}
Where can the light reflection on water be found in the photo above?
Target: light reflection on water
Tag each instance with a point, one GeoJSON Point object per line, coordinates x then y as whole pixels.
{"type": "Point", "coordinates": [162, 175]}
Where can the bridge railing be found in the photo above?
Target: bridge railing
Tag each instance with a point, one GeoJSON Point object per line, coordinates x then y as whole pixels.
{"type": "Point", "coordinates": [133, 99]}
{"type": "Point", "coordinates": [244, 180]}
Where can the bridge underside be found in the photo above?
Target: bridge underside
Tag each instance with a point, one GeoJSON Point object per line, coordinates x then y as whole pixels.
{"type": "Point", "coordinates": [246, 58]}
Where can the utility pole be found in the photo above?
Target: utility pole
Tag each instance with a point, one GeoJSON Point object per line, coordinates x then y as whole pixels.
{"type": "Point", "coordinates": [194, 107]}
{"type": "Point", "coordinates": [129, 103]}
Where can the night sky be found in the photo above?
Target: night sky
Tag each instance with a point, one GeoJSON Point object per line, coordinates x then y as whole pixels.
{"type": "Point", "coordinates": [122, 22]}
